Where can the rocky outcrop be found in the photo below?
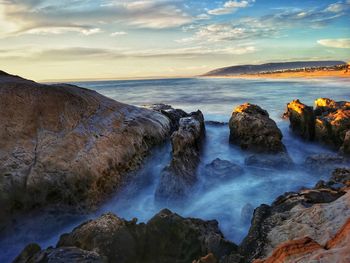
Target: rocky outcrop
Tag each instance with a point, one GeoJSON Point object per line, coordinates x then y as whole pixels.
{"type": "Point", "coordinates": [327, 123]}
{"type": "Point", "coordinates": [178, 178]}
{"type": "Point", "coordinates": [252, 129]}
{"type": "Point", "coordinates": [220, 171]}
{"type": "Point", "coordinates": [166, 238]}
{"type": "Point", "coordinates": [302, 119]}
{"type": "Point", "coordinates": [65, 145]}
{"type": "Point", "coordinates": [270, 161]}
{"type": "Point", "coordinates": [316, 213]}
{"type": "Point", "coordinates": [345, 149]}
{"type": "Point", "coordinates": [320, 164]}
{"type": "Point", "coordinates": [174, 115]}
{"type": "Point", "coordinates": [307, 250]}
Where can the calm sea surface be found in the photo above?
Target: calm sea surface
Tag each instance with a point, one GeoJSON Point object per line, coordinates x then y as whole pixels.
{"type": "Point", "coordinates": [215, 98]}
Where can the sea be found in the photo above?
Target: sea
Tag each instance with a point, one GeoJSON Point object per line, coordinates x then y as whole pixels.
{"type": "Point", "coordinates": [226, 202]}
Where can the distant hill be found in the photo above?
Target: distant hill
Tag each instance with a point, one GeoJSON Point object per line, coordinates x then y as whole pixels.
{"type": "Point", "coordinates": [251, 69]}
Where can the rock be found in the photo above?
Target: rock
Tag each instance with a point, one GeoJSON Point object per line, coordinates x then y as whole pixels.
{"type": "Point", "coordinates": [221, 171]}
{"type": "Point", "coordinates": [307, 250]}
{"type": "Point", "coordinates": [247, 213]}
{"type": "Point", "coordinates": [60, 255]}
{"type": "Point", "coordinates": [270, 161]}
{"type": "Point", "coordinates": [345, 149]}
{"type": "Point", "coordinates": [166, 238]}
{"type": "Point", "coordinates": [210, 258]}
{"type": "Point", "coordinates": [341, 175]}
{"type": "Point", "coordinates": [320, 164]}
{"type": "Point", "coordinates": [180, 175]}
{"type": "Point", "coordinates": [316, 213]}
{"type": "Point", "coordinates": [302, 119]}
{"type": "Point", "coordinates": [69, 146]}
{"type": "Point", "coordinates": [253, 130]}
{"type": "Point", "coordinates": [174, 115]}
{"type": "Point", "coordinates": [326, 105]}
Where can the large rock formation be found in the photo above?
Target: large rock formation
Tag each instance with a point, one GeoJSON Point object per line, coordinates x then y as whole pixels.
{"type": "Point", "coordinates": [328, 123]}
{"type": "Point", "coordinates": [166, 238]}
{"type": "Point", "coordinates": [316, 213]}
{"type": "Point", "coordinates": [302, 119]}
{"type": "Point", "coordinates": [252, 129]}
{"type": "Point", "coordinates": [177, 178]}
{"type": "Point", "coordinates": [61, 144]}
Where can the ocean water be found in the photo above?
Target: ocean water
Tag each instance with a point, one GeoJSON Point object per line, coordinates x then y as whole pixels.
{"type": "Point", "coordinates": [224, 202]}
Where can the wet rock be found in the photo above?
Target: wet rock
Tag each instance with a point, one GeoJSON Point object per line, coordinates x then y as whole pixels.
{"type": "Point", "coordinates": [65, 145]}
{"type": "Point", "coordinates": [253, 130]}
{"type": "Point", "coordinates": [174, 115]}
{"type": "Point", "coordinates": [320, 164]}
{"type": "Point", "coordinates": [59, 255]}
{"type": "Point", "coordinates": [216, 123]}
{"type": "Point", "coordinates": [270, 161]}
{"type": "Point", "coordinates": [220, 171]}
{"type": "Point", "coordinates": [341, 175]}
{"type": "Point", "coordinates": [166, 238]}
{"type": "Point", "coordinates": [345, 149]}
{"type": "Point", "coordinates": [178, 178]}
{"type": "Point", "coordinates": [302, 119]}
{"type": "Point", "coordinates": [247, 213]}
{"type": "Point", "coordinates": [317, 213]}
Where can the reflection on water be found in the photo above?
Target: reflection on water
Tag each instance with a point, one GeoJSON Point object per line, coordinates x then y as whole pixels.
{"type": "Point", "coordinates": [224, 202]}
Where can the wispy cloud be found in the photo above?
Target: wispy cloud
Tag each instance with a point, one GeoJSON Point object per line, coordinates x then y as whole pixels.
{"type": "Point", "coordinates": [230, 7]}
{"type": "Point", "coordinates": [118, 33]}
{"type": "Point", "coordinates": [335, 43]}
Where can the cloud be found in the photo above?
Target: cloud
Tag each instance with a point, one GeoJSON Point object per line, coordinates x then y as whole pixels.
{"type": "Point", "coordinates": [56, 30]}
{"type": "Point", "coordinates": [118, 33]}
{"type": "Point", "coordinates": [230, 7]}
{"type": "Point", "coordinates": [335, 43]}
{"type": "Point", "coordinates": [83, 16]}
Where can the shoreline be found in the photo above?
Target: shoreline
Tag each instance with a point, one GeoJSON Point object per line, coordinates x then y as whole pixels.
{"type": "Point", "coordinates": [289, 75]}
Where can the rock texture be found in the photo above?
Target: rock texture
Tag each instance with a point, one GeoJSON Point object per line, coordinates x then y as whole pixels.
{"type": "Point", "coordinates": [252, 129]}
{"type": "Point", "coordinates": [177, 178]}
{"type": "Point", "coordinates": [316, 213]}
{"type": "Point", "coordinates": [328, 123]}
{"type": "Point", "coordinates": [166, 238]}
{"type": "Point", "coordinates": [61, 144]}
{"type": "Point", "coordinates": [174, 115]}
{"type": "Point", "coordinates": [337, 249]}
{"type": "Point", "coordinates": [302, 119]}
{"type": "Point", "coordinates": [319, 164]}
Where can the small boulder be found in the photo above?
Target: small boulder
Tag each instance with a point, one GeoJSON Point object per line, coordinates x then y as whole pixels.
{"type": "Point", "coordinates": [270, 161]}
{"type": "Point", "coordinates": [252, 129]}
{"type": "Point", "coordinates": [247, 213]}
{"type": "Point", "coordinates": [302, 119]}
{"type": "Point", "coordinates": [320, 164]}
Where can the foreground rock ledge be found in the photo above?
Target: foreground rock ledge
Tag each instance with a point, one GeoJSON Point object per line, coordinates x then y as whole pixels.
{"type": "Point", "coordinates": [61, 144]}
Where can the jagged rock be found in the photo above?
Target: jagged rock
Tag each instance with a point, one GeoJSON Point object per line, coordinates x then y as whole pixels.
{"type": "Point", "coordinates": [58, 255]}
{"type": "Point", "coordinates": [341, 175]}
{"type": "Point", "coordinates": [252, 129]}
{"type": "Point", "coordinates": [270, 161]}
{"type": "Point", "coordinates": [317, 213]}
{"type": "Point", "coordinates": [220, 171]}
{"type": "Point", "coordinates": [307, 250]}
{"type": "Point", "coordinates": [345, 149]}
{"type": "Point", "coordinates": [319, 164]}
{"type": "Point", "coordinates": [302, 119]}
{"type": "Point", "coordinates": [174, 115]}
{"type": "Point", "coordinates": [166, 238]}
{"type": "Point", "coordinates": [177, 178]}
{"type": "Point", "coordinates": [326, 105]}
{"type": "Point", "coordinates": [210, 258]}
{"type": "Point", "coordinates": [65, 145]}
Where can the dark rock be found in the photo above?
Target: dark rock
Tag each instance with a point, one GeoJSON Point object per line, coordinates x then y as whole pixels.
{"type": "Point", "coordinates": [177, 178]}
{"type": "Point", "coordinates": [270, 161]}
{"type": "Point", "coordinates": [253, 130]}
{"type": "Point", "coordinates": [247, 213]}
{"type": "Point", "coordinates": [220, 171]}
{"type": "Point", "coordinates": [341, 175]}
{"type": "Point", "coordinates": [60, 255]}
{"type": "Point", "coordinates": [302, 119]}
{"type": "Point", "coordinates": [345, 149]}
{"type": "Point", "coordinates": [320, 164]}
{"type": "Point", "coordinates": [27, 253]}
{"type": "Point", "coordinates": [166, 238]}
{"type": "Point", "coordinates": [174, 115]}
{"type": "Point", "coordinates": [216, 123]}
{"type": "Point", "coordinates": [210, 258]}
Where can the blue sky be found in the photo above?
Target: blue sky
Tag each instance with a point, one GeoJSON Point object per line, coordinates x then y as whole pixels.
{"type": "Point", "coordinates": [88, 39]}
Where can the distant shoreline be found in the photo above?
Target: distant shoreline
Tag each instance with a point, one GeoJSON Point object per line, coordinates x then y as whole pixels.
{"type": "Point", "coordinates": [288, 75]}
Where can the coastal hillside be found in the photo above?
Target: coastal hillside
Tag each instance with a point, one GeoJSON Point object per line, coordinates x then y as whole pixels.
{"type": "Point", "coordinates": [270, 67]}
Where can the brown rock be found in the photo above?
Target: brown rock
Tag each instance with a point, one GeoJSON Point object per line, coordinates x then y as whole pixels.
{"type": "Point", "coordinates": [177, 178]}
{"type": "Point", "coordinates": [66, 145]}
{"type": "Point", "coordinates": [345, 149]}
{"type": "Point", "coordinates": [210, 258]}
{"type": "Point", "coordinates": [252, 129]}
{"type": "Point", "coordinates": [302, 119]}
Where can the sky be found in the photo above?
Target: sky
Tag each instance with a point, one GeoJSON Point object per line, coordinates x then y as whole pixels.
{"type": "Point", "coordinates": [116, 39]}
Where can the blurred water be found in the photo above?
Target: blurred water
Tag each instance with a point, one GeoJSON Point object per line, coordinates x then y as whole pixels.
{"type": "Point", "coordinates": [215, 98]}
